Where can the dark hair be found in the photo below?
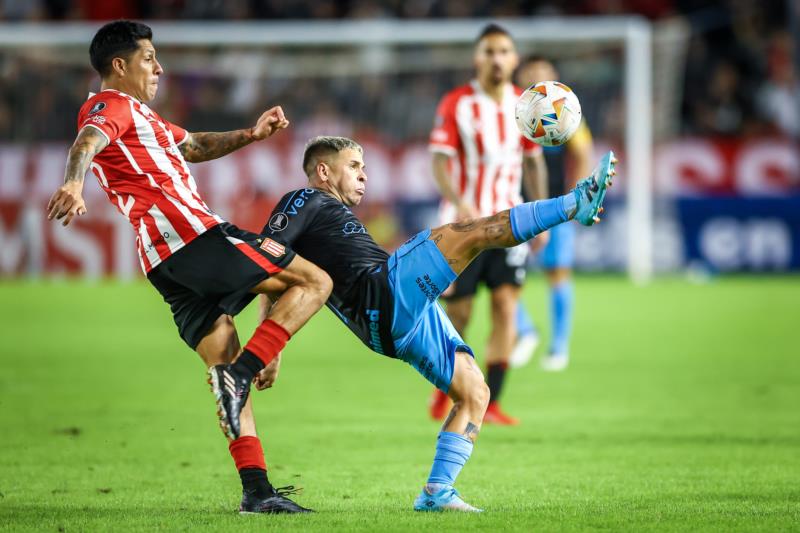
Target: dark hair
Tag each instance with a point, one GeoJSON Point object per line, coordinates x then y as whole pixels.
{"type": "Point", "coordinates": [116, 39]}
{"type": "Point", "coordinates": [536, 58]}
{"type": "Point", "coordinates": [492, 29]}
{"type": "Point", "coordinates": [324, 146]}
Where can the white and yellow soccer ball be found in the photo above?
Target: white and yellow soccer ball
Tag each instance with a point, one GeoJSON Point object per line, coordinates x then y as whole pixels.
{"type": "Point", "coordinates": [548, 113]}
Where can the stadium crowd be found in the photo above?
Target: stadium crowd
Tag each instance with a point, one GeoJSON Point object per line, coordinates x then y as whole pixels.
{"type": "Point", "coordinates": [740, 72]}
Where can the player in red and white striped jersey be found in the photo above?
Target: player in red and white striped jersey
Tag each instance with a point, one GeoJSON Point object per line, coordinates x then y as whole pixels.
{"type": "Point", "coordinates": [145, 175]}
{"type": "Point", "coordinates": [479, 161]}
{"type": "Point", "coordinates": [206, 269]}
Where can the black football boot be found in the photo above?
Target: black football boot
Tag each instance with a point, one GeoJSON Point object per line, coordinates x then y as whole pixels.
{"type": "Point", "coordinates": [230, 390]}
{"type": "Point", "coordinates": [273, 502]}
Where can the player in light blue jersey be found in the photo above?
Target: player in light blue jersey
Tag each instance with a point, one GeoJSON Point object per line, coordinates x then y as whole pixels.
{"type": "Point", "coordinates": [565, 165]}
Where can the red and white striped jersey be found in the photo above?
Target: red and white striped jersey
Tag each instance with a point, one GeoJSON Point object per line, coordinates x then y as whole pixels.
{"type": "Point", "coordinates": [145, 176]}
{"type": "Point", "coordinates": [485, 146]}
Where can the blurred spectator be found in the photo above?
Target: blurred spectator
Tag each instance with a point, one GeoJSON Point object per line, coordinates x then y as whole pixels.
{"type": "Point", "coordinates": [211, 112]}
{"type": "Point", "coordinates": [722, 106]}
{"type": "Point", "coordinates": [20, 10]}
{"type": "Point", "coordinates": [779, 96]}
{"type": "Point", "coordinates": [739, 67]}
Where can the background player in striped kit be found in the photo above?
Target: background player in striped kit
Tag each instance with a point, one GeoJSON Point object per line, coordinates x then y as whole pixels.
{"type": "Point", "coordinates": [479, 160]}
{"type": "Point", "coordinates": [206, 269]}
{"type": "Point", "coordinates": [566, 164]}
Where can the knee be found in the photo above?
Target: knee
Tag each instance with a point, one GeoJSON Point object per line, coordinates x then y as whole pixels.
{"type": "Point", "coordinates": [558, 275]}
{"type": "Point", "coordinates": [459, 313]}
{"type": "Point", "coordinates": [504, 302]}
{"type": "Point", "coordinates": [478, 397]}
{"type": "Point", "coordinates": [460, 321]}
{"type": "Point", "coordinates": [475, 395]}
{"type": "Point", "coordinates": [320, 282]}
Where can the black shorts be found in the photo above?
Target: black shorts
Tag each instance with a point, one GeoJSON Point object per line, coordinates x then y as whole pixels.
{"type": "Point", "coordinates": [213, 275]}
{"type": "Point", "coordinates": [495, 267]}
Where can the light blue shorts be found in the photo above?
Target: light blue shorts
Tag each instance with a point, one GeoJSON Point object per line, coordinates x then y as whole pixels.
{"type": "Point", "coordinates": [423, 335]}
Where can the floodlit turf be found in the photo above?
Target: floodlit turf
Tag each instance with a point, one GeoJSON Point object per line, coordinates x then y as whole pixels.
{"type": "Point", "coordinates": [681, 411]}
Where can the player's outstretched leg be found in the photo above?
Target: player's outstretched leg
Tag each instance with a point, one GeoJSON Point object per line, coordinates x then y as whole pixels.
{"type": "Point", "coordinates": [461, 242]}
{"type": "Point", "coordinates": [470, 396]}
{"type": "Point", "coordinates": [220, 346]}
{"type": "Point", "coordinates": [303, 290]}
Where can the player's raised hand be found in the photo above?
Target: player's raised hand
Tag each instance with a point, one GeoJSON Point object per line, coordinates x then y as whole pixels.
{"type": "Point", "coordinates": [66, 203]}
{"type": "Point", "coordinates": [269, 122]}
{"type": "Point", "coordinates": [267, 376]}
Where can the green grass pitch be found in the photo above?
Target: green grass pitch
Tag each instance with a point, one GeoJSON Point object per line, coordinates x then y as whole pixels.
{"type": "Point", "coordinates": [681, 411]}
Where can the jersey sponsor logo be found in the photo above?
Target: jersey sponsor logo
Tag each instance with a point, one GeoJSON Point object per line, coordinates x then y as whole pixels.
{"type": "Point", "coordinates": [161, 239]}
{"type": "Point", "coordinates": [278, 222]}
{"type": "Point", "coordinates": [96, 108]}
{"type": "Point", "coordinates": [297, 201]}
{"type": "Point", "coordinates": [353, 227]}
{"type": "Point", "coordinates": [374, 316]}
{"type": "Point", "coordinates": [273, 248]}
{"type": "Point", "coordinates": [99, 119]}
{"type": "Point", "coordinates": [428, 287]}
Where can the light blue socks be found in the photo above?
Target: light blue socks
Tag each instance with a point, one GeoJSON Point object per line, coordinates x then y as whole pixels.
{"type": "Point", "coordinates": [524, 323]}
{"type": "Point", "coordinates": [561, 300]}
{"type": "Point", "coordinates": [452, 452]}
{"type": "Point", "coordinates": [531, 218]}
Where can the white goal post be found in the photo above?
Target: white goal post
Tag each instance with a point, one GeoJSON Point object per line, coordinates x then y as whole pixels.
{"type": "Point", "coordinates": [634, 34]}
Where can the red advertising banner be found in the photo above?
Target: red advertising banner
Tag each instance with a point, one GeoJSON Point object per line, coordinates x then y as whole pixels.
{"type": "Point", "coordinates": [243, 186]}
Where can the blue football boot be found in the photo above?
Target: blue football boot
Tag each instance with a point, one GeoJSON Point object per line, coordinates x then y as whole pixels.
{"type": "Point", "coordinates": [446, 499]}
{"type": "Point", "coordinates": [590, 192]}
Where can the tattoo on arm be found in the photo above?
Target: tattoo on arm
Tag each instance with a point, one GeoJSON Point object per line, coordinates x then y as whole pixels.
{"type": "Point", "coordinates": [205, 146]}
{"type": "Point", "coordinates": [88, 144]}
{"type": "Point", "coordinates": [471, 432]}
{"type": "Point", "coordinates": [461, 227]}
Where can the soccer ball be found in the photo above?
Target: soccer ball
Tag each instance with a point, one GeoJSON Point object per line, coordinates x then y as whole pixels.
{"type": "Point", "coordinates": [548, 113]}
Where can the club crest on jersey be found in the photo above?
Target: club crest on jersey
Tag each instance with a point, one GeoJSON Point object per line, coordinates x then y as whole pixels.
{"type": "Point", "coordinates": [278, 222]}
{"type": "Point", "coordinates": [96, 108]}
{"type": "Point", "coordinates": [273, 248]}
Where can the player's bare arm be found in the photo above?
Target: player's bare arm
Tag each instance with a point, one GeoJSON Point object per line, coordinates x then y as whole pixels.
{"type": "Point", "coordinates": [67, 201]}
{"type": "Point", "coordinates": [440, 172]}
{"type": "Point", "coordinates": [205, 146]}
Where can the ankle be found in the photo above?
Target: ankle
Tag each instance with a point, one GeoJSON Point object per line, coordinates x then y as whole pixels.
{"type": "Point", "coordinates": [255, 482]}
{"type": "Point", "coordinates": [248, 364]}
{"type": "Point", "coordinates": [570, 204]}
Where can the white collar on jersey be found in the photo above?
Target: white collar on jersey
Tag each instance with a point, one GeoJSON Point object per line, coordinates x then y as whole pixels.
{"type": "Point", "coordinates": [145, 109]}
{"type": "Point", "coordinates": [115, 91]}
